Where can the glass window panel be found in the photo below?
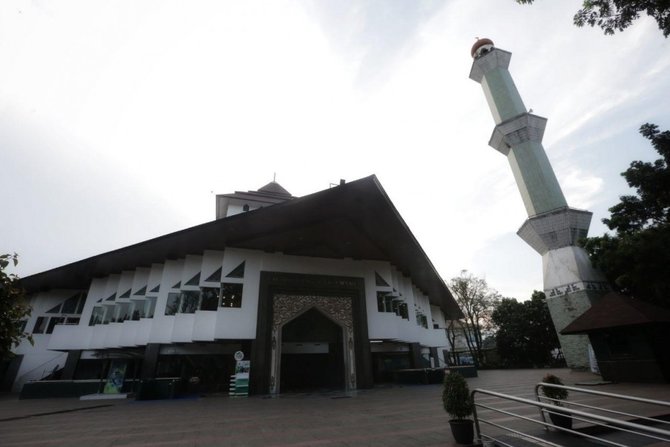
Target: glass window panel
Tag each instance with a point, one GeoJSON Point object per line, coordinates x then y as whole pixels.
{"type": "Point", "coordinates": [96, 316]}
{"type": "Point", "coordinates": [172, 305]}
{"type": "Point", "coordinates": [137, 310]}
{"type": "Point", "coordinates": [388, 303]}
{"type": "Point", "coordinates": [70, 305]}
{"type": "Point", "coordinates": [40, 325]}
{"type": "Point", "coordinates": [210, 298]}
{"type": "Point", "coordinates": [72, 320]}
{"type": "Point", "coordinates": [190, 301]}
{"type": "Point", "coordinates": [108, 314]}
{"type": "Point", "coordinates": [404, 312]}
{"type": "Point", "coordinates": [54, 310]}
{"type": "Point", "coordinates": [380, 301]}
{"type": "Point", "coordinates": [122, 312]}
{"type": "Point", "coordinates": [82, 301]}
{"type": "Point", "coordinates": [53, 321]}
{"type": "Point", "coordinates": [149, 307]}
{"type": "Point", "coordinates": [231, 295]}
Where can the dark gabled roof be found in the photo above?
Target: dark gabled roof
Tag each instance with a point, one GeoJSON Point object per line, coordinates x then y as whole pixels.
{"type": "Point", "coordinates": [275, 189]}
{"type": "Point", "coordinates": [355, 220]}
{"type": "Point", "coordinates": [271, 193]}
{"type": "Point", "coordinates": [617, 310]}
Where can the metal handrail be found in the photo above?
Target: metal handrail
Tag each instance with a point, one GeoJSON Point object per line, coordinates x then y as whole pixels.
{"type": "Point", "coordinates": [630, 427]}
{"type": "Point", "coordinates": [603, 394]}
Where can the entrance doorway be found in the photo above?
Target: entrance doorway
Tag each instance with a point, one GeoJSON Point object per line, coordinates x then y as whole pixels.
{"type": "Point", "coordinates": [312, 353]}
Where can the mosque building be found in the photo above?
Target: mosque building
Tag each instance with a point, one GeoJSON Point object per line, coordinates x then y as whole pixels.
{"type": "Point", "coordinates": [325, 291]}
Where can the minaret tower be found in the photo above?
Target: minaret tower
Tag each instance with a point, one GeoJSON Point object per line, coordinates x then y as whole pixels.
{"type": "Point", "coordinates": [552, 228]}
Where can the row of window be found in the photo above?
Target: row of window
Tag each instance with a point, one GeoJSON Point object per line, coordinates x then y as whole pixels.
{"type": "Point", "coordinates": [123, 311]}
{"type": "Point", "coordinates": [388, 303]}
{"type": "Point", "coordinates": [207, 298]}
{"type": "Point", "coordinates": [185, 301]}
{"type": "Point", "coordinates": [45, 325]}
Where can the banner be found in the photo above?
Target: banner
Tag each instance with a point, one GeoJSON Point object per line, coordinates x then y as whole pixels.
{"type": "Point", "coordinates": [117, 373]}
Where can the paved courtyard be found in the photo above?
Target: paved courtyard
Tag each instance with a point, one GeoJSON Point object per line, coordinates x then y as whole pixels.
{"type": "Point", "coordinates": [385, 416]}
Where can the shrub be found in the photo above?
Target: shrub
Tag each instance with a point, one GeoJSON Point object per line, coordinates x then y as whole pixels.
{"type": "Point", "coordinates": [456, 396]}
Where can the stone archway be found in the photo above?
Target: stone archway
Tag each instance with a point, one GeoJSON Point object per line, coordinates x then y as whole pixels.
{"type": "Point", "coordinates": [287, 308]}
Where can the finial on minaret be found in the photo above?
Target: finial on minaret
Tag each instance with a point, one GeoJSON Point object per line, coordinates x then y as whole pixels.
{"type": "Point", "coordinates": [481, 47]}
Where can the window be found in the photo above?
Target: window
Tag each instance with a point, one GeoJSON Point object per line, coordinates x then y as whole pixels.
{"type": "Point", "coordinates": [137, 310]}
{"type": "Point", "coordinates": [97, 316]}
{"type": "Point", "coordinates": [231, 295]}
{"type": "Point", "coordinates": [404, 312]}
{"type": "Point", "coordinates": [149, 307]}
{"type": "Point", "coordinates": [40, 325]}
{"type": "Point", "coordinates": [108, 315]}
{"type": "Point", "coordinates": [172, 305]}
{"type": "Point", "coordinates": [70, 305]}
{"type": "Point", "coordinates": [72, 320]}
{"type": "Point", "coordinates": [190, 300]}
{"type": "Point", "coordinates": [122, 312]}
{"type": "Point", "coordinates": [380, 301]}
{"type": "Point", "coordinates": [210, 298]}
{"type": "Point", "coordinates": [53, 321]}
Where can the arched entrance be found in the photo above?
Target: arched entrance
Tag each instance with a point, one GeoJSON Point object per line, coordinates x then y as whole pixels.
{"type": "Point", "coordinates": [312, 354]}
{"type": "Point", "coordinates": [319, 350]}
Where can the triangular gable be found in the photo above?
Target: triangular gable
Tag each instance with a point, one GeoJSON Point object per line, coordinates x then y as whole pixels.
{"type": "Point", "coordinates": [380, 281]}
{"type": "Point", "coordinates": [156, 289]}
{"type": "Point", "coordinates": [112, 297]}
{"type": "Point", "coordinates": [126, 294]}
{"type": "Point", "coordinates": [142, 291]}
{"type": "Point", "coordinates": [216, 276]}
{"type": "Point", "coordinates": [237, 272]}
{"type": "Point", "coordinates": [55, 310]}
{"type": "Point", "coordinates": [195, 281]}
{"type": "Point", "coordinates": [177, 286]}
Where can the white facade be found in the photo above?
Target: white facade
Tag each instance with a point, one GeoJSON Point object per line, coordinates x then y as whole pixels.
{"type": "Point", "coordinates": [196, 299]}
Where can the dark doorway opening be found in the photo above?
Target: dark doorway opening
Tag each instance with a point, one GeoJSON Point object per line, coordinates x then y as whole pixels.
{"type": "Point", "coordinates": [312, 354]}
{"type": "Point", "coordinates": [197, 373]}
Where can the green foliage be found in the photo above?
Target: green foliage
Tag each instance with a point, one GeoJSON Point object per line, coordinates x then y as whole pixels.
{"type": "Point", "coordinates": [13, 308]}
{"type": "Point", "coordinates": [617, 15]}
{"type": "Point", "coordinates": [526, 335]}
{"type": "Point", "coordinates": [456, 396]}
{"type": "Point", "coordinates": [558, 394]}
{"type": "Point", "coordinates": [636, 260]}
{"type": "Point", "coordinates": [476, 301]}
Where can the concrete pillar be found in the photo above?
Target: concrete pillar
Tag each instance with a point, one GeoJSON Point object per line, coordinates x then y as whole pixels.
{"type": "Point", "coordinates": [71, 364]}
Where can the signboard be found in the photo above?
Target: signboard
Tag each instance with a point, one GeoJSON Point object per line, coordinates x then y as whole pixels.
{"type": "Point", "coordinates": [117, 372]}
{"type": "Point", "coordinates": [241, 382]}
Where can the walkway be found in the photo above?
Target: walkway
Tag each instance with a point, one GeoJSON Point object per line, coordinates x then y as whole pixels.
{"type": "Point", "coordinates": [392, 416]}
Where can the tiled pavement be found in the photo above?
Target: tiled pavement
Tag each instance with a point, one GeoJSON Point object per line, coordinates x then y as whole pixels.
{"type": "Point", "coordinates": [391, 416]}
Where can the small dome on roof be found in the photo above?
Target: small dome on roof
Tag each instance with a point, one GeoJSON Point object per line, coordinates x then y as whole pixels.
{"type": "Point", "coordinates": [480, 43]}
{"type": "Point", "coordinates": [274, 188]}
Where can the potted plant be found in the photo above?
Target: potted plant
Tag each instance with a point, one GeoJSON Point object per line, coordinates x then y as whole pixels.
{"type": "Point", "coordinates": [458, 404]}
{"type": "Point", "coordinates": [560, 418]}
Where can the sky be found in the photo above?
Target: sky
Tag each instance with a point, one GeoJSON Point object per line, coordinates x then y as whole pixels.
{"type": "Point", "coordinates": [120, 121]}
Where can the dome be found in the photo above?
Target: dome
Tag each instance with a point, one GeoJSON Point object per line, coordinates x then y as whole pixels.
{"type": "Point", "coordinates": [480, 43]}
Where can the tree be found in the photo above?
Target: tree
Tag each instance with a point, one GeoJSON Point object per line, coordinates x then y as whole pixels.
{"type": "Point", "coordinates": [636, 259]}
{"type": "Point", "coordinates": [526, 336]}
{"type": "Point", "coordinates": [13, 309]}
{"type": "Point", "coordinates": [476, 301]}
{"type": "Point", "coordinates": [617, 15]}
